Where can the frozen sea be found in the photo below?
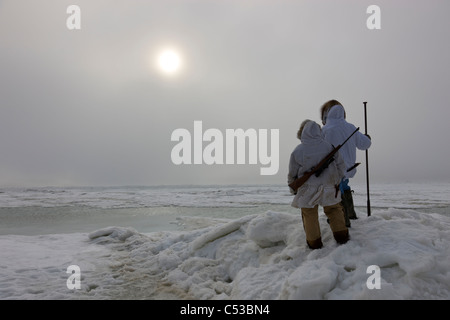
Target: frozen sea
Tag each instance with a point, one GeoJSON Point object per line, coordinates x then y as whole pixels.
{"type": "Point", "coordinates": [219, 242]}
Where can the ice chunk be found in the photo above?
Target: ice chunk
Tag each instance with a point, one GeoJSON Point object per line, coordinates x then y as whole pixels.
{"type": "Point", "coordinates": [118, 233]}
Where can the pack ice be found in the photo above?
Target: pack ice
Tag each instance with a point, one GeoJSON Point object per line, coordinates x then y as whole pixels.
{"type": "Point", "coordinates": [260, 256]}
{"type": "Point", "coordinates": [264, 256]}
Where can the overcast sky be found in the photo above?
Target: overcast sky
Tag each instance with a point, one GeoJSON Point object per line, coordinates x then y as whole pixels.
{"type": "Point", "coordinates": [91, 107]}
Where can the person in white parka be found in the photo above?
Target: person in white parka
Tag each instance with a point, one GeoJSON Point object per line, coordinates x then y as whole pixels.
{"type": "Point", "coordinates": [322, 190]}
{"type": "Point", "coordinates": [336, 130]}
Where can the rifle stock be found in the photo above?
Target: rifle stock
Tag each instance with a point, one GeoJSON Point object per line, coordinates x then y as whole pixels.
{"type": "Point", "coordinates": [297, 183]}
{"type": "Point", "coordinates": [323, 164]}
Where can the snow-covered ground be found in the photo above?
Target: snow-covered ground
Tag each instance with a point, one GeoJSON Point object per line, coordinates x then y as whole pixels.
{"type": "Point", "coordinates": [258, 256]}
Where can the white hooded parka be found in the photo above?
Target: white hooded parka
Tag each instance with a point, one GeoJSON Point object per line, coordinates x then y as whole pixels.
{"type": "Point", "coordinates": [317, 190]}
{"type": "Point", "coordinates": [337, 129]}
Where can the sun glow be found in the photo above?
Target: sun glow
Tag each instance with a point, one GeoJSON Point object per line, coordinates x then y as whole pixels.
{"type": "Point", "coordinates": [169, 61]}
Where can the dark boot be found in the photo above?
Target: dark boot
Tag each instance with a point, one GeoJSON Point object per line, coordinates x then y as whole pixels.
{"type": "Point", "coordinates": [315, 244]}
{"type": "Point", "coordinates": [351, 212]}
{"type": "Point", "coordinates": [345, 209]}
{"type": "Point", "coordinates": [347, 203]}
{"type": "Point", "coordinates": [341, 237]}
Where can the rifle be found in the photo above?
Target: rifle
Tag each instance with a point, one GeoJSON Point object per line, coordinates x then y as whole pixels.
{"type": "Point", "coordinates": [318, 169]}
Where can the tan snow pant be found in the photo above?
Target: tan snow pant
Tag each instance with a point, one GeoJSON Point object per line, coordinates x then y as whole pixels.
{"type": "Point", "coordinates": [311, 225]}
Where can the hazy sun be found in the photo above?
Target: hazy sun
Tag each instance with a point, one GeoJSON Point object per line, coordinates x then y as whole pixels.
{"type": "Point", "coordinates": [169, 61]}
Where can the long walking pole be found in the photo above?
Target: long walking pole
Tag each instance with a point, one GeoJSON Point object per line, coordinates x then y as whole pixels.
{"type": "Point", "coordinates": [367, 162]}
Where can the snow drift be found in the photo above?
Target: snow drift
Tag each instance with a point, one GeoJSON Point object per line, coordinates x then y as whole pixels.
{"type": "Point", "coordinates": [264, 256]}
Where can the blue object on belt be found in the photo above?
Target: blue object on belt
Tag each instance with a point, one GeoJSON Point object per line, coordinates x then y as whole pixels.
{"type": "Point", "coordinates": [344, 185]}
